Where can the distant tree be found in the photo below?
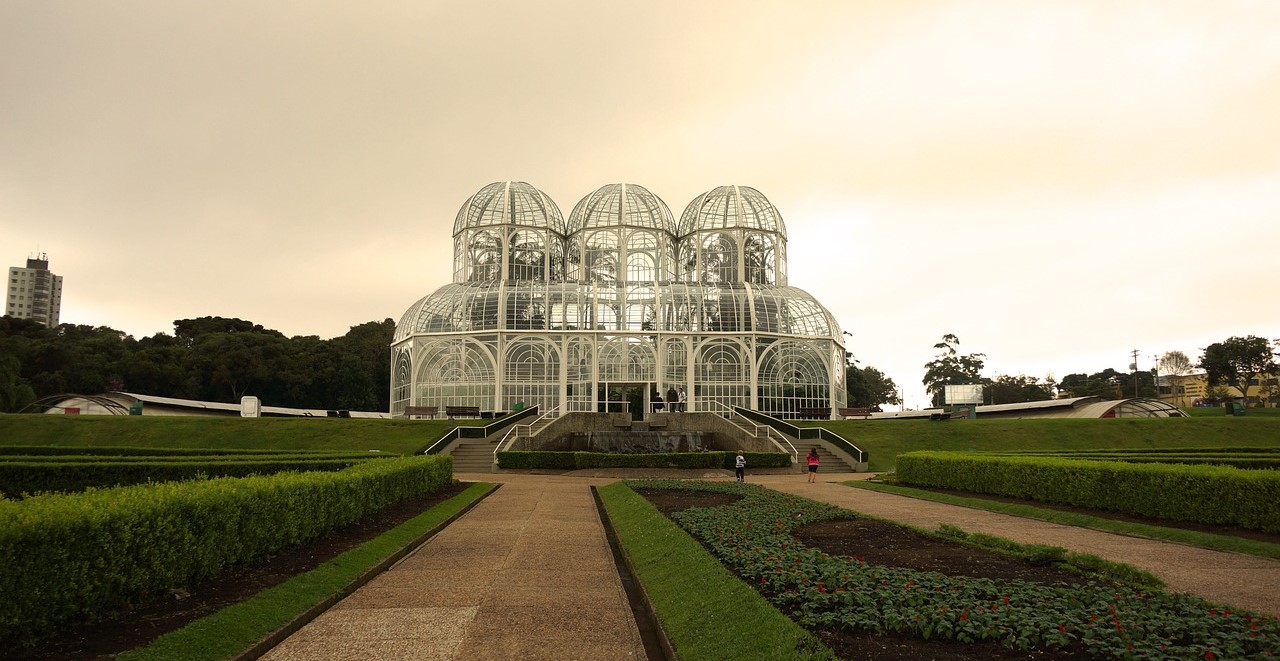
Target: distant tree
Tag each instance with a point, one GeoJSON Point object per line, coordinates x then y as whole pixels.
{"type": "Point", "coordinates": [950, 368]}
{"type": "Point", "coordinates": [868, 387]}
{"type": "Point", "coordinates": [1237, 360]}
{"type": "Point", "coordinates": [15, 393]}
{"type": "Point", "coordinates": [1006, 389]}
{"type": "Point", "coordinates": [189, 330]}
{"type": "Point", "coordinates": [1105, 384]}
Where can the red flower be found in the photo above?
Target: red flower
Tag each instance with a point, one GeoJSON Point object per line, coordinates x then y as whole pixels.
{"type": "Point", "coordinates": [1208, 654]}
{"type": "Point", "coordinates": [1061, 629]}
{"type": "Point", "coordinates": [965, 616]}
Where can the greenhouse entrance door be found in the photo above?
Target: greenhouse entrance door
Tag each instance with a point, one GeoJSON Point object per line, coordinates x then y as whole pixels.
{"type": "Point", "coordinates": [622, 398]}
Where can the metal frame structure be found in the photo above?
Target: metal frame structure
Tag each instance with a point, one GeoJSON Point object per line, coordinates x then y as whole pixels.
{"type": "Point", "coordinates": [615, 306]}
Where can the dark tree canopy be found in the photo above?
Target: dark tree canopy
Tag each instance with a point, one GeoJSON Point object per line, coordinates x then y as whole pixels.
{"type": "Point", "coordinates": [1237, 360]}
{"type": "Point", "coordinates": [868, 387]}
{"type": "Point", "coordinates": [210, 358]}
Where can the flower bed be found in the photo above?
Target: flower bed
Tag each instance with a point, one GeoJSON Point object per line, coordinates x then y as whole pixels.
{"type": "Point", "coordinates": [754, 539]}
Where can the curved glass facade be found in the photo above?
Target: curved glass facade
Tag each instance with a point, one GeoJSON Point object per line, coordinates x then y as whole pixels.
{"type": "Point", "coordinates": [615, 307]}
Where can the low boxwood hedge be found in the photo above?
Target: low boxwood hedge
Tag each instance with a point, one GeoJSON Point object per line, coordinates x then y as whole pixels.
{"type": "Point", "coordinates": [576, 460]}
{"type": "Point", "coordinates": [71, 557]}
{"type": "Point", "coordinates": [22, 477]}
{"type": "Point", "coordinates": [1218, 495]}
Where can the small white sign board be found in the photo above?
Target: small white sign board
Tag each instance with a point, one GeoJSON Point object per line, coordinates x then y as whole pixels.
{"type": "Point", "coordinates": [966, 394]}
{"type": "Point", "coordinates": [250, 407]}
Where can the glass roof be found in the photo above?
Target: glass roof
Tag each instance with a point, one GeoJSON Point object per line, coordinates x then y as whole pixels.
{"type": "Point", "coordinates": [730, 207]}
{"type": "Point", "coordinates": [509, 203]}
{"type": "Point", "coordinates": [570, 307]}
{"type": "Point", "coordinates": [617, 205]}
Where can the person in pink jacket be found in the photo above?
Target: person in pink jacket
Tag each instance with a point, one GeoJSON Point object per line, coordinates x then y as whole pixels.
{"type": "Point", "coordinates": [813, 458]}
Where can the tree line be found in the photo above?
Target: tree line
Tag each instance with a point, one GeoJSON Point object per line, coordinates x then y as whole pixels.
{"type": "Point", "coordinates": [1238, 362]}
{"type": "Point", "coordinates": [210, 358]}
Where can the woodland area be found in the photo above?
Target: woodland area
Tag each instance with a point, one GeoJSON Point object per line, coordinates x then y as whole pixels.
{"type": "Point", "coordinates": [210, 358]}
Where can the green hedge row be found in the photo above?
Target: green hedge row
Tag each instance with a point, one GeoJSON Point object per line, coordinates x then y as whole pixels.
{"type": "Point", "coordinates": [573, 460]}
{"type": "Point", "coordinates": [1218, 495]}
{"type": "Point", "coordinates": [1189, 450]}
{"type": "Point", "coordinates": [71, 557]}
{"type": "Point", "coordinates": [17, 478]}
{"type": "Point", "coordinates": [177, 459]}
{"type": "Point", "coordinates": [132, 451]}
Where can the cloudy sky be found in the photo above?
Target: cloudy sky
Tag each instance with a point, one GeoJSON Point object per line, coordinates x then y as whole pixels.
{"type": "Point", "coordinates": [1055, 182]}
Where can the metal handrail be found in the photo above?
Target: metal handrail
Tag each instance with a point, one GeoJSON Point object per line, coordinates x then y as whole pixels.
{"type": "Point", "coordinates": [477, 432]}
{"type": "Point", "coordinates": [805, 432]}
{"type": "Point", "coordinates": [507, 439]}
{"type": "Point", "coordinates": [769, 432]}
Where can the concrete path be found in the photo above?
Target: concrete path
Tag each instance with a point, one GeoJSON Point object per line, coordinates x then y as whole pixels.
{"type": "Point", "coordinates": [526, 574]}
{"type": "Point", "coordinates": [1226, 578]}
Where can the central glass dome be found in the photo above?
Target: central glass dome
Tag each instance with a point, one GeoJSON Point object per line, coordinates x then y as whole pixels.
{"type": "Point", "coordinates": [621, 233]}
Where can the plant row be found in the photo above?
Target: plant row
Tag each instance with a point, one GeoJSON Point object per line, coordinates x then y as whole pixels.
{"type": "Point", "coordinates": [22, 477]}
{"type": "Point", "coordinates": [576, 460]}
{"type": "Point", "coordinates": [1247, 460]}
{"type": "Point", "coordinates": [1217, 495]}
{"type": "Point", "coordinates": [126, 451]}
{"type": "Point", "coordinates": [754, 538]}
{"type": "Point", "coordinates": [82, 556]}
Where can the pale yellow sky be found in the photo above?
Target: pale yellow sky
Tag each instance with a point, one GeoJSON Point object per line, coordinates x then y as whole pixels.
{"type": "Point", "coordinates": [1055, 182]}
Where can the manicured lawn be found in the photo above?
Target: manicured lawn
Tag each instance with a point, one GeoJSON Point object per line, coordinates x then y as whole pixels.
{"type": "Point", "coordinates": [884, 440]}
{"type": "Point", "coordinates": [396, 436]}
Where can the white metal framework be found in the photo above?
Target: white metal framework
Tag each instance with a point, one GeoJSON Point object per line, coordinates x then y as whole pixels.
{"type": "Point", "coordinates": [614, 308]}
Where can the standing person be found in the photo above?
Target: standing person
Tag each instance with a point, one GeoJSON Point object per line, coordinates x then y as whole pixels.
{"type": "Point", "coordinates": [813, 459]}
{"type": "Point", "coordinates": [740, 466]}
{"type": "Point", "coordinates": [684, 400]}
{"type": "Point", "coordinates": [672, 405]}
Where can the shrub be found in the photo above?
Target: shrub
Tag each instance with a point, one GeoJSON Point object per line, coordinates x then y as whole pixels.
{"type": "Point", "coordinates": [24, 477]}
{"type": "Point", "coordinates": [571, 460]}
{"type": "Point", "coordinates": [1218, 495]}
{"type": "Point", "coordinates": [69, 557]}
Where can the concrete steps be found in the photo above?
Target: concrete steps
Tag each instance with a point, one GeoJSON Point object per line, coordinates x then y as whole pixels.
{"type": "Point", "coordinates": [473, 455]}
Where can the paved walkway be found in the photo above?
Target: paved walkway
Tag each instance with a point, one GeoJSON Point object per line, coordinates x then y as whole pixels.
{"type": "Point", "coordinates": [526, 574]}
{"type": "Point", "coordinates": [1228, 578]}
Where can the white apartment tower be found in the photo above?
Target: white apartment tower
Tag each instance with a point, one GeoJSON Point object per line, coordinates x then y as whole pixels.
{"type": "Point", "coordinates": [34, 292]}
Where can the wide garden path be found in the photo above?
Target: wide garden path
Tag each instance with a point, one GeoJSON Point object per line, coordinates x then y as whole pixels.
{"type": "Point", "coordinates": [1227, 578]}
{"type": "Point", "coordinates": [526, 574]}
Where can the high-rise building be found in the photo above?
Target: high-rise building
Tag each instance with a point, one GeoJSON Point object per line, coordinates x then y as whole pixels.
{"type": "Point", "coordinates": [34, 292]}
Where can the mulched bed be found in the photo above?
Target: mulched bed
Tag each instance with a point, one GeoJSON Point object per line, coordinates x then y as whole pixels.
{"type": "Point", "coordinates": [180, 606]}
{"type": "Point", "coordinates": [883, 543]}
{"type": "Point", "coordinates": [1233, 531]}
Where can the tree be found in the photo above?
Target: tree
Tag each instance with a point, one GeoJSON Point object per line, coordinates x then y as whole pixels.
{"type": "Point", "coordinates": [950, 368]}
{"type": "Point", "coordinates": [1006, 389]}
{"type": "Point", "coordinates": [868, 387]}
{"type": "Point", "coordinates": [1237, 360]}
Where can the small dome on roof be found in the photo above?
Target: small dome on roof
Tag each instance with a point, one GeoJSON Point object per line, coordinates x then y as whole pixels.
{"type": "Point", "coordinates": [617, 205]}
{"type": "Point", "coordinates": [731, 207]}
{"type": "Point", "coordinates": [509, 203]}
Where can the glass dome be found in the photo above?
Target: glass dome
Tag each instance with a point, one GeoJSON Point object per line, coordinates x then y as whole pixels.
{"type": "Point", "coordinates": [618, 234]}
{"type": "Point", "coordinates": [509, 203]}
{"type": "Point", "coordinates": [731, 207]}
{"type": "Point", "coordinates": [621, 205]}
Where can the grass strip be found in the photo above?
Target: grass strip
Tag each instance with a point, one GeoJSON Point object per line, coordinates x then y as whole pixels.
{"type": "Point", "coordinates": [706, 612]}
{"type": "Point", "coordinates": [1191, 537]}
{"type": "Point", "coordinates": [234, 629]}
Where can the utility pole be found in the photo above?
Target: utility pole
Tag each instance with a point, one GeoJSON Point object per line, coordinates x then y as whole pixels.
{"type": "Point", "coordinates": [1133, 367]}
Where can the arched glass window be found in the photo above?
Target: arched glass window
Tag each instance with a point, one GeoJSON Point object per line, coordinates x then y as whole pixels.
{"type": "Point", "coordinates": [722, 374]}
{"type": "Point", "coordinates": [527, 256]}
{"type": "Point", "coordinates": [484, 254]}
{"type": "Point", "coordinates": [759, 259]}
{"type": "Point", "coordinates": [578, 373]}
{"type": "Point", "coordinates": [531, 374]}
{"type": "Point", "coordinates": [719, 259]}
{"type": "Point", "coordinates": [642, 257]}
{"type": "Point", "coordinates": [627, 360]}
{"type": "Point", "coordinates": [793, 376]}
{"type": "Point", "coordinates": [456, 372]}
{"type": "Point", "coordinates": [600, 258]}
{"type": "Point", "coordinates": [401, 382]}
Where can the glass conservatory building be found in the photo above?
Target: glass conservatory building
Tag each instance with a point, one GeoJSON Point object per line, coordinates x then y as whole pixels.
{"type": "Point", "coordinates": [613, 308]}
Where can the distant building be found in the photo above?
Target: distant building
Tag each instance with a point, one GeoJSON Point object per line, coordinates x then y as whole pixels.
{"type": "Point", "coordinates": [1193, 389]}
{"type": "Point", "coordinates": [34, 292]}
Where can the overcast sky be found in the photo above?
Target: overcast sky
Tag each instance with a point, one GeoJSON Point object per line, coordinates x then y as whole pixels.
{"type": "Point", "coordinates": [1055, 182]}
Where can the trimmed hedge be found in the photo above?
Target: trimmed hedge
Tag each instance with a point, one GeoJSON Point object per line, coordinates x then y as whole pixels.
{"type": "Point", "coordinates": [575, 460]}
{"type": "Point", "coordinates": [1216, 495]}
{"type": "Point", "coordinates": [111, 450]}
{"type": "Point", "coordinates": [17, 477]}
{"type": "Point", "coordinates": [70, 557]}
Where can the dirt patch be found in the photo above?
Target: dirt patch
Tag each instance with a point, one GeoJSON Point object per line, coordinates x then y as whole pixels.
{"type": "Point", "coordinates": [884, 543]}
{"type": "Point", "coordinates": [174, 609]}
{"type": "Point", "coordinates": [675, 500]}
{"type": "Point", "coordinates": [881, 543]}
{"type": "Point", "coordinates": [1233, 531]}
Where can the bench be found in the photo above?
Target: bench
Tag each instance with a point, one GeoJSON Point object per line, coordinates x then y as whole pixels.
{"type": "Point", "coordinates": [429, 411]}
{"type": "Point", "coordinates": [814, 414]}
{"type": "Point", "coordinates": [854, 412]}
{"type": "Point", "coordinates": [462, 411]}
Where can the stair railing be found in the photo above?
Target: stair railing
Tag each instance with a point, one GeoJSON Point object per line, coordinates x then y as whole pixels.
{"type": "Point", "coordinates": [518, 432]}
